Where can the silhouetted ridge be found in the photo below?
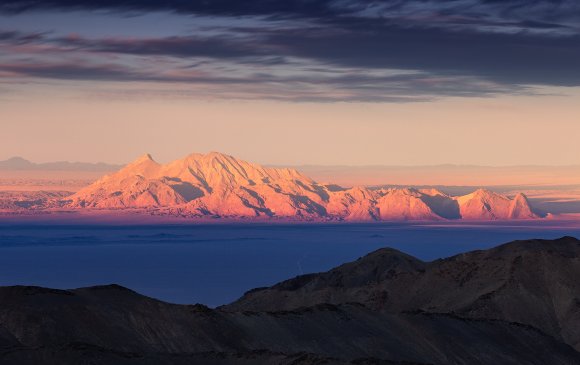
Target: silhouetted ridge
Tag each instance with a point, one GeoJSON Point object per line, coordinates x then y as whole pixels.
{"type": "Point", "coordinates": [25, 290]}
{"type": "Point", "coordinates": [372, 268]}
{"type": "Point", "coordinates": [514, 304]}
{"type": "Point", "coordinates": [560, 245]}
{"type": "Point", "coordinates": [108, 288]}
{"type": "Point", "coordinates": [530, 282]}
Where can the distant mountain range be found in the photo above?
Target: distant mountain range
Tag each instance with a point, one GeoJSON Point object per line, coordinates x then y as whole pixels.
{"type": "Point", "coordinates": [19, 164]}
{"type": "Point", "coordinates": [220, 185]}
{"type": "Point", "coordinates": [448, 175]}
{"type": "Point", "coordinates": [510, 305]}
{"type": "Point", "coordinates": [445, 175]}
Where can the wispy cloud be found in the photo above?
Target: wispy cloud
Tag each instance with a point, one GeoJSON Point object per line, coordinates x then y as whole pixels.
{"type": "Point", "coordinates": [321, 87]}
{"type": "Point", "coordinates": [328, 50]}
{"type": "Point", "coordinates": [525, 14]}
{"type": "Point", "coordinates": [16, 37]}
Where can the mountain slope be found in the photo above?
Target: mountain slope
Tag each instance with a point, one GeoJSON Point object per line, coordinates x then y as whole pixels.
{"type": "Point", "coordinates": [484, 204]}
{"type": "Point", "coordinates": [219, 185]}
{"type": "Point", "coordinates": [529, 282]}
{"type": "Point", "coordinates": [404, 204]}
{"type": "Point", "coordinates": [499, 306]}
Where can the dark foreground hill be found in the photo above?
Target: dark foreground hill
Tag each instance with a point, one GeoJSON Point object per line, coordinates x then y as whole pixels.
{"type": "Point", "coordinates": [515, 304]}
{"type": "Point", "coordinates": [533, 282]}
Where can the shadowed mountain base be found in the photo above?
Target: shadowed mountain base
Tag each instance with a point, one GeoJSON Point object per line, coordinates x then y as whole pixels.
{"type": "Point", "coordinates": [514, 304]}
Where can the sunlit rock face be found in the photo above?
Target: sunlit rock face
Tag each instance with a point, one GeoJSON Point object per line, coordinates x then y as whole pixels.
{"type": "Point", "coordinates": [219, 185]}
{"type": "Point", "coordinates": [484, 204]}
{"type": "Point", "coordinates": [405, 204]}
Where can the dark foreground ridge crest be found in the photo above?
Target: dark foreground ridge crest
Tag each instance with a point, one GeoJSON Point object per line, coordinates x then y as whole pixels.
{"type": "Point", "coordinates": [518, 303]}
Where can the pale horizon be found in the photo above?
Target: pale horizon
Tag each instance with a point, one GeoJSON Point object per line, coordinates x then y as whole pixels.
{"type": "Point", "coordinates": [278, 165]}
{"type": "Point", "coordinates": [361, 85]}
{"type": "Point", "coordinates": [525, 176]}
{"type": "Point", "coordinates": [501, 132]}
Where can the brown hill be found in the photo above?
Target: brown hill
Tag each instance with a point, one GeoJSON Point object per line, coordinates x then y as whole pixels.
{"type": "Point", "coordinates": [514, 304]}
{"type": "Point", "coordinates": [530, 282]}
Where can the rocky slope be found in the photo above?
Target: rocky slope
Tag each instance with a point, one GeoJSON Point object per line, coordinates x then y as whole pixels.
{"type": "Point", "coordinates": [15, 201]}
{"type": "Point", "coordinates": [219, 185]}
{"type": "Point", "coordinates": [515, 304]}
{"type": "Point", "coordinates": [529, 282]}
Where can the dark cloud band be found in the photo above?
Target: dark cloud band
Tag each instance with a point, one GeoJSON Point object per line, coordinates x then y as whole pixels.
{"type": "Point", "coordinates": [459, 47]}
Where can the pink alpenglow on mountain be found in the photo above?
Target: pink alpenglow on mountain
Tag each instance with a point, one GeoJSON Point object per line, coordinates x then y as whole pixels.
{"type": "Point", "coordinates": [404, 204]}
{"type": "Point", "coordinates": [218, 185]}
{"type": "Point", "coordinates": [484, 204]}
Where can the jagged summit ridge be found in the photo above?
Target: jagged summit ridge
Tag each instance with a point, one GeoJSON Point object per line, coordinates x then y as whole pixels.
{"type": "Point", "coordinates": [220, 185]}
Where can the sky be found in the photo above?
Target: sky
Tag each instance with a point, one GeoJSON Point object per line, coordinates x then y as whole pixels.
{"type": "Point", "coordinates": [329, 82]}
